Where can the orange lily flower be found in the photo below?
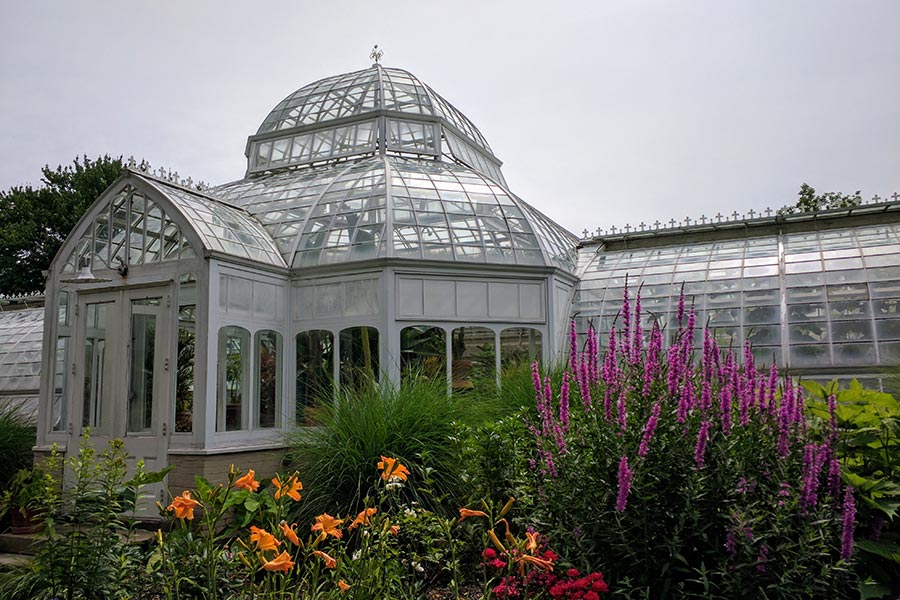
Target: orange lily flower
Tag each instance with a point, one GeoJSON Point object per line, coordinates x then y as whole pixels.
{"type": "Point", "coordinates": [394, 530]}
{"type": "Point", "coordinates": [465, 513]}
{"type": "Point", "coordinates": [533, 539]}
{"type": "Point", "coordinates": [392, 469]}
{"type": "Point", "coordinates": [264, 540]}
{"type": "Point", "coordinates": [184, 506]}
{"type": "Point", "coordinates": [289, 534]}
{"type": "Point", "coordinates": [540, 563]}
{"type": "Point", "coordinates": [247, 482]}
{"type": "Point", "coordinates": [496, 540]}
{"type": "Point", "coordinates": [344, 586]}
{"type": "Point", "coordinates": [329, 562]}
{"type": "Point", "coordinates": [291, 488]}
{"type": "Point", "coordinates": [282, 563]}
{"type": "Point", "coordinates": [328, 525]}
{"type": "Point", "coordinates": [363, 518]}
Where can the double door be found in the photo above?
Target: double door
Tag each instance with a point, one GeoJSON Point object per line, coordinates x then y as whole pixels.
{"type": "Point", "coordinates": [123, 375]}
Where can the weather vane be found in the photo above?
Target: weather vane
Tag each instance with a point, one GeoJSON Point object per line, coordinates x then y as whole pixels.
{"type": "Point", "coordinates": [376, 54]}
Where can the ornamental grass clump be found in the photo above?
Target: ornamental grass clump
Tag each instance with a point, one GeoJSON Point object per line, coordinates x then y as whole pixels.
{"type": "Point", "coordinates": [685, 470]}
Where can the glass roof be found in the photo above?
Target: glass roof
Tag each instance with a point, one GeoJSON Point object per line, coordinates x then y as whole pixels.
{"type": "Point", "coordinates": [223, 228]}
{"type": "Point", "coordinates": [840, 305]}
{"type": "Point", "coordinates": [21, 333]}
{"type": "Point", "coordinates": [398, 207]}
{"type": "Point", "coordinates": [374, 111]}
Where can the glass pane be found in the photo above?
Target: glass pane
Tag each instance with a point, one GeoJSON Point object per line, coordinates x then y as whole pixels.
{"type": "Point", "coordinates": [473, 356]}
{"type": "Point", "coordinates": [315, 361]}
{"type": "Point", "coordinates": [184, 377]}
{"type": "Point", "coordinates": [359, 357]}
{"type": "Point", "coordinates": [268, 345]}
{"type": "Point", "coordinates": [234, 362]}
{"type": "Point", "coordinates": [94, 365]}
{"type": "Point", "coordinates": [60, 386]}
{"type": "Point", "coordinates": [141, 373]}
{"type": "Point", "coordinates": [423, 353]}
{"type": "Point", "coordinates": [519, 345]}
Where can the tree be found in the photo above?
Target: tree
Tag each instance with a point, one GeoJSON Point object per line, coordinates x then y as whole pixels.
{"type": "Point", "coordinates": [809, 201]}
{"type": "Point", "coordinates": [34, 222]}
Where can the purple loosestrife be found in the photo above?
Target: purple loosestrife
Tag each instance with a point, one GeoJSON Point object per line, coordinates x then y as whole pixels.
{"type": "Point", "coordinates": [773, 388]}
{"type": "Point", "coordinates": [625, 475]}
{"type": "Point", "coordinates": [673, 355]}
{"type": "Point", "coordinates": [626, 322]}
{"type": "Point", "coordinates": [651, 367]}
{"type": "Point", "coordinates": [762, 558]}
{"type": "Point", "coordinates": [584, 385]}
{"type": "Point", "coordinates": [685, 402]}
{"type": "Point", "coordinates": [700, 447]}
{"type": "Point", "coordinates": [621, 413]}
{"type": "Point", "coordinates": [564, 402]}
{"type": "Point", "coordinates": [680, 313]}
{"type": "Point", "coordinates": [536, 381]}
{"type": "Point", "coordinates": [849, 518]}
{"type": "Point", "coordinates": [573, 345]}
{"type": "Point", "coordinates": [649, 429]}
{"type": "Point", "coordinates": [638, 343]}
{"type": "Point", "coordinates": [593, 351]}
{"type": "Point", "coordinates": [705, 395]}
{"type": "Point", "coordinates": [813, 458]}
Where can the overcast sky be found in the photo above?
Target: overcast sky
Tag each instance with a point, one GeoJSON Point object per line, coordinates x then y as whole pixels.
{"type": "Point", "coordinates": [604, 113]}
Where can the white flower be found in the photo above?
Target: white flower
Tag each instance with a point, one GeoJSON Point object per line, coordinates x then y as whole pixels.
{"type": "Point", "coordinates": [419, 568]}
{"type": "Point", "coordinates": [356, 555]}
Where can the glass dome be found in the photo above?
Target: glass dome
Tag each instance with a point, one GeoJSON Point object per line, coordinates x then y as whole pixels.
{"type": "Point", "coordinates": [374, 111]}
{"type": "Point", "coordinates": [392, 206]}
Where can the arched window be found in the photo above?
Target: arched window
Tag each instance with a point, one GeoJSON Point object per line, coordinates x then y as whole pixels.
{"type": "Point", "coordinates": [234, 378]}
{"type": "Point", "coordinates": [423, 352]}
{"type": "Point", "coordinates": [315, 375]}
{"type": "Point", "coordinates": [473, 355]}
{"type": "Point", "coordinates": [359, 357]}
{"type": "Point", "coordinates": [518, 345]}
{"type": "Point", "coordinates": [268, 378]}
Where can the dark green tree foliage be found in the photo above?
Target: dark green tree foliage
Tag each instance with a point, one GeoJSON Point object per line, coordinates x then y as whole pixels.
{"type": "Point", "coordinates": [34, 222]}
{"type": "Point", "coordinates": [809, 201]}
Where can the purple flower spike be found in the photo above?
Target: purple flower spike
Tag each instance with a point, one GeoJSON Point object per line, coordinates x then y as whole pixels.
{"type": "Point", "coordinates": [849, 518]}
{"type": "Point", "coordinates": [700, 448]}
{"type": "Point", "coordinates": [564, 402]}
{"type": "Point", "coordinates": [573, 345]}
{"type": "Point", "coordinates": [649, 429]}
{"type": "Point", "coordinates": [625, 475]}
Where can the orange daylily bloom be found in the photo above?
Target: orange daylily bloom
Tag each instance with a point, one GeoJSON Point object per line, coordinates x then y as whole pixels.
{"type": "Point", "coordinates": [289, 534]}
{"type": "Point", "coordinates": [496, 540]}
{"type": "Point", "coordinates": [344, 586]}
{"type": "Point", "coordinates": [533, 539]}
{"type": "Point", "coordinates": [394, 530]}
{"type": "Point", "coordinates": [291, 488]}
{"type": "Point", "coordinates": [264, 540]}
{"type": "Point", "coordinates": [465, 513]}
{"type": "Point", "coordinates": [247, 482]}
{"type": "Point", "coordinates": [184, 506]}
{"type": "Point", "coordinates": [363, 518]}
{"type": "Point", "coordinates": [328, 525]}
{"type": "Point", "coordinates": [392, 469]}
{"type": "Point", "coordinates": [540, 563]}
{"type": "Point", "coordinates": [329, 562]}
{"type": "Point", "coordinates": [282, 563]}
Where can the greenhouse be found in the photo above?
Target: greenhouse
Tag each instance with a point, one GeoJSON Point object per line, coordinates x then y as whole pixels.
{"type": "Point", "coordinates": [374, 238]}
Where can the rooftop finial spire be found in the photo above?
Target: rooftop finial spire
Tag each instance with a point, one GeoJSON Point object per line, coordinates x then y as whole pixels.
{"type": "Point", "coordinates": [376, 54]}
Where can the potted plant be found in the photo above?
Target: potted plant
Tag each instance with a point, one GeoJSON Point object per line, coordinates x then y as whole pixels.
{"type": "Point", "coordinates": [19, 500]}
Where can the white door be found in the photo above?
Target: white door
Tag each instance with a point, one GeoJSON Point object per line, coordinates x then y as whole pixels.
{"type": "Point", "coordinates": [122, 376]}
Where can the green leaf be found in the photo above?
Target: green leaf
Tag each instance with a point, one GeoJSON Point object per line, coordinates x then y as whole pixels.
{"type": "Point", "coordinates": [887, 506]}
{"type": "Point", "coordinates": [882, 549]}
{"type": "Point", "coordinates": [872, 589]}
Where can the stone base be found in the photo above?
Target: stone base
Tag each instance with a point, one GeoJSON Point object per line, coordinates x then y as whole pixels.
{"type": "Point", "coordinates": [214, 467]}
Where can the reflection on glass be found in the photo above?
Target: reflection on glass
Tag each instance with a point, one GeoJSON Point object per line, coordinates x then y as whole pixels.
{"type": "Point", "coordinates": [60, 385]}
{"type": "Point", "coordinates": [94, 365]}
{"type": "Point", "coordinates": [423, 352]}
{"type": "Point", "coordinates": [519, 345]}
{"type": "Point", "coordinates": [234, 362]}
{"type": "Point", "coordinates": [315, 361]}
{"type": "Point", "coordinates": [473, 357]}
{"type": "Point", "coordinates": [359, 357]}
{"type": "Point", "coordinates": [141, 371]}
{"type": "Point", "coordinates": [184, 380]}
{"type": "Point", "coordinates": [268, 377]}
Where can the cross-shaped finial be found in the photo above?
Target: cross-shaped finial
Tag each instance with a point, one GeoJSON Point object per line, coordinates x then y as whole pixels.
{"type": "Point", "coordinates": [613, 230]}
{"type": "Point", "coordinates": [599, 231]}
{"type": "Point", "coordinates": [703, 219]}
{"type": "Point", "coordinates": [876, 198]}
{"type": "Point", "coordinates": [735, 214]}
{"type": "Point", "coordinates": [687, 221]}
{"type": "Point", "coordinates": [131, 162]}
{"type": "Point", "coordinates": [719, 217]}
{"type": "Point", "coordinates": [376, 54]}
{"type": "Point", "coordinates": [752, 213]}
{"type": "Point", "coordinates": [656, 224]}
{"type": "Point", "coordinates": [627, 228]}
{"type": "Point", "coordinates": [643, 226]}
{"type": "Point", "coordinates": [585, 232]}
{"type": "Point", "coordinates": [768, 212]}
{"type": "Point", "coordinates": [672, 223]}
{"type": "Point", "coordinates": [895, 196]}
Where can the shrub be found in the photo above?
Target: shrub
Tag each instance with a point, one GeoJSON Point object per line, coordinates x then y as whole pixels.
{"type": "Point", "coordinates": [418, 423]}
{"type": "Point", "coordinates": [17, 437]}
{"type": "Point", "coordinates": [683, 478]}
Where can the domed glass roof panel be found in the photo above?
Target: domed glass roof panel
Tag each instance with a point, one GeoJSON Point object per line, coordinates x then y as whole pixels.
{"type": "Point", "coordinates": [387, 206]}
{"type": "Point", "coordinates": [21, 336]}
{"type": "Point", "coordinates": [374, 89]}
